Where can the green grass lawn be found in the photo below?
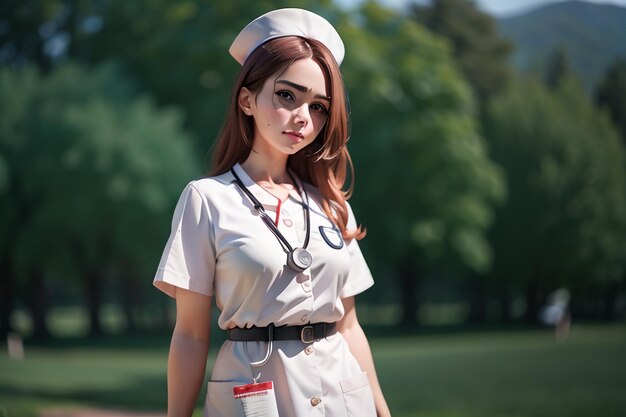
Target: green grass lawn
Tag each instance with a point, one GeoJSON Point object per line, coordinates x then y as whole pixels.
{"type": "Point", "coordinates": [498, 373]}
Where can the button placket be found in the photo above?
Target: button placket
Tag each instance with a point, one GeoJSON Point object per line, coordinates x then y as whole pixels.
{"type": "Point", "coordinates": [296, 215]}
{"type": "Point", "coordinates": [287, 226]}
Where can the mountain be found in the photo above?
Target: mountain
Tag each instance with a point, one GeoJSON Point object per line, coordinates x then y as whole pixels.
{"type": "Point", "coordinates": [591, 35]}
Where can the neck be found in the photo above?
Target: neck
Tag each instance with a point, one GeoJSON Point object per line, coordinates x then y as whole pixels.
{"type": "Point", "coordinates": [263, 167]}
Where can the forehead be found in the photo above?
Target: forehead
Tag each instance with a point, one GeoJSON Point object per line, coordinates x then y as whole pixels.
{"type": "Point", "coordinates": [307, 73]}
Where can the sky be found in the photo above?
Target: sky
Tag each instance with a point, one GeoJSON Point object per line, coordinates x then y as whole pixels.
{"type": "Point", "coordinates": [497, 8]}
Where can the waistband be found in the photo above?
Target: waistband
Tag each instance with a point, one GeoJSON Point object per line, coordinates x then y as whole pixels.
{"type": "Point", "coordinates": [307, 333]}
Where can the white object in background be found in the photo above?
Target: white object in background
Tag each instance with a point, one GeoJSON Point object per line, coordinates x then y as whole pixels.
{"type": "Point", "coordinates": [15, 346]}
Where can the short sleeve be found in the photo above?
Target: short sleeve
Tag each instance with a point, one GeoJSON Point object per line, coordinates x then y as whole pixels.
{"type": "Point", "coordinates": [188, 260]}
{"type": "Point", "coordinates": [359, 278]}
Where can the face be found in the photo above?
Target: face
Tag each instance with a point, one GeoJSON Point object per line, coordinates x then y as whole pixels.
{"type": "Point", "coordinates": [290, 110]}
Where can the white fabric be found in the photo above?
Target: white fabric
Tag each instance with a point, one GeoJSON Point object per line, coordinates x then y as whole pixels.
{"type": "Point", "coordinates": [286, 22]}
{"type": "Point", "coordinates": [220, 247]}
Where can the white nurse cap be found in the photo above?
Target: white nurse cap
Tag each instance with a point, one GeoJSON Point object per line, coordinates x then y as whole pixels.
{"type": "Point", "coordinates": [286, 22]}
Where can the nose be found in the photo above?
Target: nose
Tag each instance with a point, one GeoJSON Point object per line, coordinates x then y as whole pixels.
{"type": "Point", "coordinates": [302, 115]}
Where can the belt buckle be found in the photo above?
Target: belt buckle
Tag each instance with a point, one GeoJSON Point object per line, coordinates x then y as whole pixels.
{"type": "Point", "coordinates": [307, 334]}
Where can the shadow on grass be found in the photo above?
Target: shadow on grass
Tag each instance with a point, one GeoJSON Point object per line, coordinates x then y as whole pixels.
{"type": "Point", "coordinates": [128, 342]}
{"type": "Point", "coordinates": [139, 394]}
{"type": "Point", "coordinates": [410, 331]}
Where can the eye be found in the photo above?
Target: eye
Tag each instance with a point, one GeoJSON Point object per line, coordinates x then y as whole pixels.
{"type": "Point", "coordinates": [285, 95]}
{"type": "Point", "coordinates": [319, 108]}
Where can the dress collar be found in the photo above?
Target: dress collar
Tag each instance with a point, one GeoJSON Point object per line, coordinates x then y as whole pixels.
{"type": "Point", "coordinates": [265, 197]}
{"type": "Point", "coordinates": [268, 200]}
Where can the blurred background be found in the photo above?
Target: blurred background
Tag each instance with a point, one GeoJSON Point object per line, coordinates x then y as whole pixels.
{"type": "Point", "coordinates": [488, 139]}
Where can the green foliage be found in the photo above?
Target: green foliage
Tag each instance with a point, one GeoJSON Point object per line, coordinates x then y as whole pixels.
{"type": "Point", "coordinates": [90, 166]}
{"type": "Point", "coordinates": [558, 68]}
{"type": "Point", "coordinates": [611, 95]}
{"type": "Point", "coordinates": [424, 183]}
{"type": "Point", "coordinates": [92, 172]}
{"type": "Point", "coordinates": [179, 51]}
{"type": "Point", "coordinates": [481, 54]}
{"type": "Point", "coordinates": [27, 27]}
{"type": "Point", "coordinates": [565, 218]}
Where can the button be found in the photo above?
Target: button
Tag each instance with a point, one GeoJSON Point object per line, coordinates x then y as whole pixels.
{"type": "Point", "coordinates": [315, 401]}
{"type": "Point", "coordinates": [287, 222]}
{"type": "Point", "coordinates": [308, 350]}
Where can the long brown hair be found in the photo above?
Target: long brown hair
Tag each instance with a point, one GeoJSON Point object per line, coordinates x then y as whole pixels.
{"type": "Point", "coordinates": [325, 162]}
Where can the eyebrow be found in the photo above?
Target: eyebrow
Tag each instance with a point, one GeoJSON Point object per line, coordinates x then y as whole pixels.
{"type": "Point", "coordinates": [301, 88]}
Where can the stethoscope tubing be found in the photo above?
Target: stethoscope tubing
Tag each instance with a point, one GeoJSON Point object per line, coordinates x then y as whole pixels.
{"type": "Point", "coordinates": [266, 218]}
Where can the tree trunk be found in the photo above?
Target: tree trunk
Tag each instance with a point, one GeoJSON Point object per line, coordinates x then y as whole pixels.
{"type": "Point", "coordinates": [533, 301]}
{"type": "Point", "coordinates": [127, 310]}
{"type": "Point", "coordinates": [477, 299]}
{"type": "Point", "coordinates": [6, 297]}
{"type": "Point", "coordinates": [166, 322]}
{"type": "Point", "coordinates": [93, 297]}
{"type": "Point", "coordinates": [504, 299]}
{"type": "Point", "coordinates": [129, 297]}
{"type": "Point", "coordinates": [409, 287]}
{"type": "Point", "coordinates": [38, 300]}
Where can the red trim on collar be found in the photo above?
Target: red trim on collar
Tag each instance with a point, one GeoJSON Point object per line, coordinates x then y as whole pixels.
{"type": "Point", "coordinates": [278, 211]}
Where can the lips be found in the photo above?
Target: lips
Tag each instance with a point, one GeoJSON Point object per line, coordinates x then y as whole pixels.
{"type": "Point", "coordinates": [294, 136]}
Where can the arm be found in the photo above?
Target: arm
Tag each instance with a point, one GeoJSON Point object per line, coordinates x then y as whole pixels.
{"type": "Point", "coordinates": [188, 352]}
{"type": "Point", "coordinates": [352, 332]}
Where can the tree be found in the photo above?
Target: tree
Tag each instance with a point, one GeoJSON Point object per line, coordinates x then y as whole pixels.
{"type": "Point", "coordinates": [481, 54]}
{"type": "Point", "coordinates": [424, 183]}
{"type": "Point", "coordinates": [6, 273]}
{"type": "Point", "coordinates": [563, 223]}
{"type": "Point", "coordinates": [611, 95]}
{"type": "Point", "coordinates": [410, 107]}
{"type": "Point", "coordinates": [558, 68]}
{"type": "Point", "coordinates": [91, 171]}
{"type": "Point", "coordinates": [178, 52]}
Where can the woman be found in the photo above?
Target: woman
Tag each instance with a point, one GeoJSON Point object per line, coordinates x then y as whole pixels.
{"type": "Point", "coordinates": [271, 237]}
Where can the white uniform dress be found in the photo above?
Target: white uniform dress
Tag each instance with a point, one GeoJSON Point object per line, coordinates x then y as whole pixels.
{"type": "Point", "coordinates": [220, 247]}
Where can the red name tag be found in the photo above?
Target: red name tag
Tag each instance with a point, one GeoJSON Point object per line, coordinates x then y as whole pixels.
{"type": "Point", "coordinates": [261, 388]}
{"type": "Point", "coordinates": [258, 400]}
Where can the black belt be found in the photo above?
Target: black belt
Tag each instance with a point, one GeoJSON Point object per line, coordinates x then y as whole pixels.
{"type": "Point", "coordinates": [307, 333]}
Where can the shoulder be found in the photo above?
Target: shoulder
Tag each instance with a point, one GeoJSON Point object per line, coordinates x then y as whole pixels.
{"type": "Point", "coordinates": [211, 194]}
{"type": "Point", "coordinates": [352, 223]}
{"type": "Point", "coordinates": [211, 187]}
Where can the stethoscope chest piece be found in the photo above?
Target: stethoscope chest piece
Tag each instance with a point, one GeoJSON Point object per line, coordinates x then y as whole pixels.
{"type": "Point", "coordinates": [299, 259]}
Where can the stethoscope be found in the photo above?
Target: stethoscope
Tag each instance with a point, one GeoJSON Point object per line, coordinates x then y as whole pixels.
{"type": "Point", "coordinates": [298, 259]}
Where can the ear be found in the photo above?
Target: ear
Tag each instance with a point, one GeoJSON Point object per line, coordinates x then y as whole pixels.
{"type": "Point", "coordinates": [245, 101]}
